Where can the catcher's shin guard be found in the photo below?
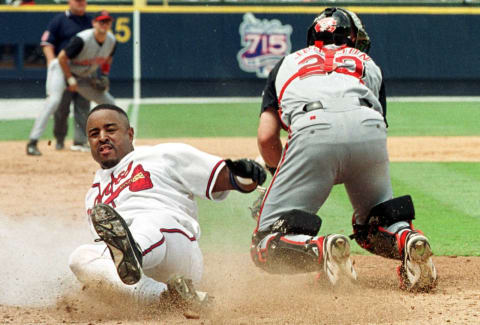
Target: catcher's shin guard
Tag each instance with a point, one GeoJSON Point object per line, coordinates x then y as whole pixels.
{"type": "Point", "coordinates": [113, 230]}
{"type": "Point", "coordinates": [384, 227]}
{"type": "Point", "coordinates": [277, 253]}
{"type": "Point", "coordinates": [301, 253]}
{"type": "Point", "coordinates": [289, 245]}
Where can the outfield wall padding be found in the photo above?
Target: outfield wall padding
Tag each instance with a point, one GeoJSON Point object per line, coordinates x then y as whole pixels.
{"type": "Point", "coordinates": [200, 49]}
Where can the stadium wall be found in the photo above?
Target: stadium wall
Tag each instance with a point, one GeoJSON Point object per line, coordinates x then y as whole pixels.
{"type": "Point", "coordinates": [188, 53]}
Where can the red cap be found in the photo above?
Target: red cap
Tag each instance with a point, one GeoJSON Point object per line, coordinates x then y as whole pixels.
{"type": "Point", "coordinates": [102, 15]}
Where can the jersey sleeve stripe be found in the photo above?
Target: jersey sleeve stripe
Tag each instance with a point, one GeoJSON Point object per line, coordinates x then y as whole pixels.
{"type": "Point", "coordinates": [212, 178]}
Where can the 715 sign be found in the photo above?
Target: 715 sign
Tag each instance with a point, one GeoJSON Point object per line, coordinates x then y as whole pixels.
{"type": "Point", "coordinates": [261, 44]}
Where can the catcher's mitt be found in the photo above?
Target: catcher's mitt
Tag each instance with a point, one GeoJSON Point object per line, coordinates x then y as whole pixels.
{"type": "Point", "coordinates": [257, 204]}
{"type": "Point", "coordinates": [101, 83]}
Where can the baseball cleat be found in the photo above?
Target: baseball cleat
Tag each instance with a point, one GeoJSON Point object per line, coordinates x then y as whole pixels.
{"type": "Point", "coordinates": [336, 259]}
{"type": "Point", "coordinates": [417, 272]}
{"type": "Point", "coordinates": [125, 253]}
{"type": "Point", "coordinates": [181, 292]}
{"type": "Point", "coordinates": [60, 145]}
{"type": "Point", "coordinates": [32, 149]}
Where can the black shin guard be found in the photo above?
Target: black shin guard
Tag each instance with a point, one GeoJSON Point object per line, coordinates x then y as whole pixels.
{"type": "Point", "coordinates": [385, 221]}
{"type": "Point", "coordinates": [289, 246]}
{"type": "Point", "coordinates": [277, 253]}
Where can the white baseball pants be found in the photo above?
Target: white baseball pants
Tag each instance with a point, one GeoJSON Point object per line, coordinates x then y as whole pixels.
{"type": "Point", "coordinates": [55, 87]}
{"type": "Point", "coordinates": [167, 248]}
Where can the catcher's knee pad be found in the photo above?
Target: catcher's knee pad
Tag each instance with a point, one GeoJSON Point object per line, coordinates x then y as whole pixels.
{"type": "Point", "coordinates": [289, 246]}
{"type": "Point", "coordinates": [381, 233]}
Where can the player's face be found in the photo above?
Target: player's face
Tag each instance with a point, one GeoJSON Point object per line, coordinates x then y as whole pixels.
{"type": "Point", "coordinates": [110, 137]}
{"type": "Point", "coordinates": [78, 7]}
{"type": "Point", "coordinates": [102, 26]}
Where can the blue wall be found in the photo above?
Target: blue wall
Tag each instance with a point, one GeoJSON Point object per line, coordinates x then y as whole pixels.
{"type": "Point", "coordinates": [199, 50]}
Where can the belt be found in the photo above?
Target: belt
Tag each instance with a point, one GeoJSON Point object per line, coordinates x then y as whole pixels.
{"type": "Point", "coordinates": [336, 103]}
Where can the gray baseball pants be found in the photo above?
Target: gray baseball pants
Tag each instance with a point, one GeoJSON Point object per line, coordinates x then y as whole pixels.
{"type": "Point", "coordinates": [81, 107]}
{"type": "Point", "coordinates": [328, 147]}
{"type": "Point", "coordinates": [56, 86]}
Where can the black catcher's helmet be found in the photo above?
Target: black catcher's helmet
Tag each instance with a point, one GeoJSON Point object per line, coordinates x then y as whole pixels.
{"type": "Point", "coordinates": [339, 26]}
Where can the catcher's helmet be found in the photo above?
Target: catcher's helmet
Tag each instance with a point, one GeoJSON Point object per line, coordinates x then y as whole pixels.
{"type": "Point", "coordinates": [339, 26]}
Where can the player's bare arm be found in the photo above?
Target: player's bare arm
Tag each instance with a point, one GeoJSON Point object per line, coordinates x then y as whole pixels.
{"type": "Point", "coordinates": [49, 52]}
{"type": "Point", "coordinates": [63, 61]}
{"type": "Point", "coordinates": [268, 137]}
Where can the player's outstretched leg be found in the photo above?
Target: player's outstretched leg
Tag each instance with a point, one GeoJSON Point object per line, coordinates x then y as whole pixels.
{"type": "Point", "coordinates": [182, 293]}
{"type": "Point", "coordinates": [417, 271]}
{"type": "Point", "coordinates": [337, 264]}
{"type": "Point", "coordinates": [113, 230]}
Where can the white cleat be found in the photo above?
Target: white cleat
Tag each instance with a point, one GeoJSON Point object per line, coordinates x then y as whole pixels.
{"type": "Point", "coordinates": [336, 259]}
{"type": "Point", "coordinates": [417, 271]}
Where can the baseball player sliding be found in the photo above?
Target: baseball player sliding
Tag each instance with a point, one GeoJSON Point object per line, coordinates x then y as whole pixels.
{"type": "Point", "coordinates": [76, 68]}
{"type": "Point", "coordinates": [330, 97]}
{"type": "Point", "coordinates": [142, 206]}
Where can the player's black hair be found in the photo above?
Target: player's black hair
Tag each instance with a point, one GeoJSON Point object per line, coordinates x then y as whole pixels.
{"type": "Point", "coordinates": [108, 106]}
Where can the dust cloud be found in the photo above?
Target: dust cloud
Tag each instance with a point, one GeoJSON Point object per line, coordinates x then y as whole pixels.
{"type": "Point", "coordinates": [34, 259]}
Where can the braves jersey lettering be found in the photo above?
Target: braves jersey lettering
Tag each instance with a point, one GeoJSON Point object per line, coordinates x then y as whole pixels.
{"type": "Point", "coordinates": [139, 181]}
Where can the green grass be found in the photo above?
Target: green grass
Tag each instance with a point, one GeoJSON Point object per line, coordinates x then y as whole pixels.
{"type": "Point", "coordinates": [20, 129]}
{"type": "Point", "coordinates": [241, 119]}
{"type": "Point", "coordinates": [433, 118]}
{"type": "Point", "coordinates": [445, 196]}
{"type": "Point", "coordinates": [236, 119]}
{"type": "Point", "coordinates": [198, 120]}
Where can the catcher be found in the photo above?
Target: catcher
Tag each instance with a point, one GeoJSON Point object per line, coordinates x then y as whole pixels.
{"type": "Point", "coordinates": [76, 67]}
{"type": "Point", "coordinates": [331, 99]}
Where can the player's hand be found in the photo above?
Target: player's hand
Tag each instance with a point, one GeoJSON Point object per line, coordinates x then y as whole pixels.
{"type": "Point", "coordinates": [247, 168]}
{"type": "Point", "coordinates": [246, 174]}
{"type": "Point", "coordinates": [72, 84]}
{"type": "Point", "coordinates": [73, 88]}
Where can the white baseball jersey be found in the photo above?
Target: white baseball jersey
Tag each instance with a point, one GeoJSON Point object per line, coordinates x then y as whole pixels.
{"type": "Point", "coordinates": [92, 54]}
{"type": "Point", "coordinates": [326, 74]}
{"type": "Point", "coordinates": [165, 178]}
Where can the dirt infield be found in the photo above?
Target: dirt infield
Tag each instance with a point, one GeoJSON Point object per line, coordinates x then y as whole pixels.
{"type": "Point", "coordinates": [41, 221]}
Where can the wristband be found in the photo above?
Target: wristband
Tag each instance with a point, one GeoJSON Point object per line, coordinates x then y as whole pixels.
{"type": "Point", "coordinates": [71, 81]}
{"type": "Point", "coordinates": [235, 184]}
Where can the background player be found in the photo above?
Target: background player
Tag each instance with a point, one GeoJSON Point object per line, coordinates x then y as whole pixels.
{"type": "Point", "coordinates": [59, 32]}
{"type": "Point", "coordinates": [142, 205]}
{"type": "Point", "coordinates": [78, 63]}
{"type": "Point", "coordinates": [328, 97]}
